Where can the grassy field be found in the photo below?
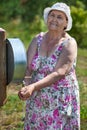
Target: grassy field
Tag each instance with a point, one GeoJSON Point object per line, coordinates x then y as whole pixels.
{"type": "Point", "coordinates": [12, 113]}
{"type": "Point", "coordinates": [82, 77]}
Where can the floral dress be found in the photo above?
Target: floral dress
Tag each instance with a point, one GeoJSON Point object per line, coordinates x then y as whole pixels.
{"type": "Point", "coordinates": [55, 107]}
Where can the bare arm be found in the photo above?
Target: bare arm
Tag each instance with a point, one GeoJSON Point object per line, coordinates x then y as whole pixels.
{"type": "Point", "coordinates": [30, 54]}
{"type": "Point", "coordinates": [62, 68]}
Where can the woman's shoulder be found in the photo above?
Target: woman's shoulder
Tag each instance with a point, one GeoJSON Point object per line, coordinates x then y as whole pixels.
{"type": "Point", "coordinates": [35, 39]}
{"type": "Point", "coordinates": [70, 45]}
{"type": "Point", "coordinates": [70, 40]}
{"type": "Point", "coordinates": [41, 34]}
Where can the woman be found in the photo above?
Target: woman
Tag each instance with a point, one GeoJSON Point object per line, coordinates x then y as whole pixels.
{"type": "Point", "coordinates": [51, 88]}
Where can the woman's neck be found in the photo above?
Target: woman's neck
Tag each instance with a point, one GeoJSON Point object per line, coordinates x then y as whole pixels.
{"type": "Point", "coordinates": [53, 36]}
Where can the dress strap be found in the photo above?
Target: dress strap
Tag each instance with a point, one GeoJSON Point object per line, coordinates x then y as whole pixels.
{"type": "Point", "coordinates": [59, 48]}
{"type": "Point", "coordinates": [65, 42]}
{"type": "Point", "coordinates": [39, 39]}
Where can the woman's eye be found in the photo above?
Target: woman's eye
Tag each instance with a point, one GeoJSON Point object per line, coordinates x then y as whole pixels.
{"type": "Point", "coordinates": [59, 17]}
{"type": "Point", "coordinates": [52, 15]}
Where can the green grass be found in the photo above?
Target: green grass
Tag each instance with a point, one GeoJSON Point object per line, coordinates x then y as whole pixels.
{"type": "Point", "coordinates": [82, 77]}
{"type": "Point", "coordinates": [12, 113]}
{"type": "Point", "coordinates": [81, 69]}
{"type": "Point", "coordinates": [25, 31]}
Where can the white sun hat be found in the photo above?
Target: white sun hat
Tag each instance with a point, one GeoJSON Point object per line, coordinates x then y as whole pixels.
{"type": "Point", "coordinates": [60, 7]}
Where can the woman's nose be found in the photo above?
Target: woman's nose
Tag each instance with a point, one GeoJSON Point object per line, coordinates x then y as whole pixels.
{"type": "Point", "coordinates": [55, 18]}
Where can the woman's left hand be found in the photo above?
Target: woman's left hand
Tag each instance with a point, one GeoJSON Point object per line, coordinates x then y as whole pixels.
{"type": "Point", "coordinates": [26, 92]}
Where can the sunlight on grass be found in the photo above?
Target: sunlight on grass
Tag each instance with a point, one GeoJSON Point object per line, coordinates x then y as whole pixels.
{"type": "Point", "coordinates": [12, 114]}
{"type": "Point", "coordinates": [81, 68]}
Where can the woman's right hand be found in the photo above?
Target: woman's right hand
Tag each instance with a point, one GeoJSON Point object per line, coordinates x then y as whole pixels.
{"type": "Point", "coordinates": [26, 92]}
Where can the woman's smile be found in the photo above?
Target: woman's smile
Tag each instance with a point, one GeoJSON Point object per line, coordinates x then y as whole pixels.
{"type": "Point", "coordinates": [53, 24]}
{"type": "Point", "coordinates": [56, 20]}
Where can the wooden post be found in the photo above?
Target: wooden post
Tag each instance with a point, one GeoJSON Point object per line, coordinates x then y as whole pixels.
{"type": "Point", "coordinates": [2, 67]}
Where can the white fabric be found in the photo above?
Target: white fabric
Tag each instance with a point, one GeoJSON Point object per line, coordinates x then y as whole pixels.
{"type": "Point", "coordinates": [61, 7]}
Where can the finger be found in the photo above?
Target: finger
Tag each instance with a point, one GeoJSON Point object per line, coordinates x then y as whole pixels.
{"type": "Point", "coordinates": [20, 96]}
{"type": "Point", "coordinates": [24, 98]}
{"type": "Point", "coordinates": [24, 90]}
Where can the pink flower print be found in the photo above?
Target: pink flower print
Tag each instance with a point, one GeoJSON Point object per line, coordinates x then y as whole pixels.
{"type": "Point", "coordinates": [35, 64]}
{"type": "Point", "coordinates": [40, 38]}
{"type": "Point", "coordinates": [34, 116]}
{"type": "Point", "coordinates": [36, 55]}
{"type": "Point", "coordinates": [42, 126]}
{"type": "Point", "coordinates": [73, 97]}
{"type": "Point", "coordinates": [49, 120]}
{"type": "Point", "coordinates": [55, 86]}
{"type": "Point", "coordinates": [67, 127]}
{"type": "Point", "coordinates": [46, 68]}
{"type": "Point", "coordinates": [66, 83]}
{"type": "Point", "coordinates": [58, 123]}
{"type": "Point", "coordinates": [60, 47]}
{"type": "Point", "coordinates": [38, 103]}
{"type": "Point", "coordinates": [75, 105]}
{"type": "Point", "coordinates": [74, 122]}
{"type": "Point", "coordinates": [32, 65]}
{"type": "Point", "coordinates": [44, 96]}
{"type": "Point", "coordinates": [54, 57]}
{"type": "Point", "coordinates": [55, 113]}
{"type": "Point", "coordinates": [28, 127]}
{"type": "Point", "coordinates": [67, 98]}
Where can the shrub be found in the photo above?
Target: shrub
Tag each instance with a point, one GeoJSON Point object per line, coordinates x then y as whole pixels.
{"type": "Point", "coordinates": [79, 29]}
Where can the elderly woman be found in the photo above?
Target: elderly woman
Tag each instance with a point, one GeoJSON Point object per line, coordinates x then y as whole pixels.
{"type": "Point", "coordinates": [51, 89]}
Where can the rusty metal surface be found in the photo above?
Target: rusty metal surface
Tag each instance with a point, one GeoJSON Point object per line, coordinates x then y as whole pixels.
{"type": "Point", "coordinates": [3, 93]}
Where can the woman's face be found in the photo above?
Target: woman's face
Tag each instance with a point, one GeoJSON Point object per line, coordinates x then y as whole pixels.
{"type": "Point", "coordinates": [56, 20]}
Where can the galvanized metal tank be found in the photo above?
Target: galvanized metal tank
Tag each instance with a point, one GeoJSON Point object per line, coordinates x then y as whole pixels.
{"type": "Point", "coordinates": [15, 60]}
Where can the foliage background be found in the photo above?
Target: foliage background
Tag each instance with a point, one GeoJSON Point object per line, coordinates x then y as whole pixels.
{"type": "Point", "coordinates": [32, 11]}
{"type": "Point", "coordinates": [24, 19]}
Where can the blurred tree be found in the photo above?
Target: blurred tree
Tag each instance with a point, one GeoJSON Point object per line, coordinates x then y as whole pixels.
{"type": "Point", "coordinates": [85, 3]}
{"type": "Point", "coordinates": [9, 9]}
{"type": "Point", "coordinates": [79, 30]}
{"type": "Point", "coordinates": [32, 11]}
{"type": "Point", "coordinates": [28, 9]}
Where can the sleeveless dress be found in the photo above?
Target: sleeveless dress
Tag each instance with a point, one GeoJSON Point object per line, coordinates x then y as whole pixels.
{"type": "Point", "coordinates": [55, 107]}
